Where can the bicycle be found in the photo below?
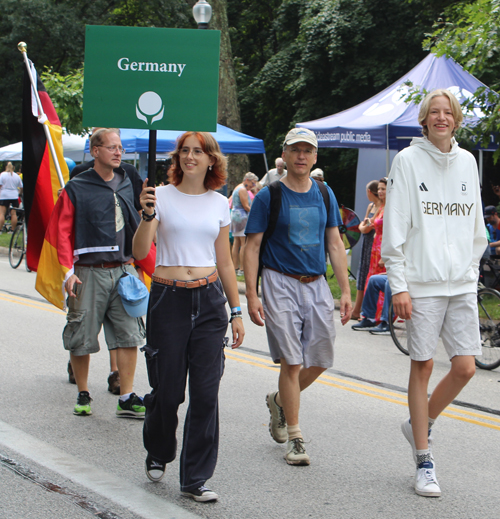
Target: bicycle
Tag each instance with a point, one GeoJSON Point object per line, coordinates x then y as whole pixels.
{"type": "Point", "coordinates": [17, 246]}
{"type": "Point", "coordinates": [488, 303]}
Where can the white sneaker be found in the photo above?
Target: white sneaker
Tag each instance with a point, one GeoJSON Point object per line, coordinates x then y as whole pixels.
{"type": "Point", "coordinates": [201, 494]}
{"type": "Point", "coordinates": [425, 481]}
{"type": "Point", "coordinates": [407, 431]}
{"type": "Point", "coordinates": [296, 453]}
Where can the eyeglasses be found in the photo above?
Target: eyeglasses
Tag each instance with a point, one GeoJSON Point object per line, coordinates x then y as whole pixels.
{"type": "Point", "coordinates": [112, 149]}
{"type": "Point", "coordinates": [307, 151]}
{"type": "Point", "coordinates": [197, 152]}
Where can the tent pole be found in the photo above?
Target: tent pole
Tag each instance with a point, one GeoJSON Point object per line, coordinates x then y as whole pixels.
{"type": "Point", "coordinates": [481, 168]}
{"type": "Point", "coordinates": [387, 154]}
{"type": "Point", "coordinates": [265, 162]}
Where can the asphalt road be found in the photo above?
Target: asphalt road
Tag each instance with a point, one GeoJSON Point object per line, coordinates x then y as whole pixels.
{"type": "Point", "coordinates": [56, 465]}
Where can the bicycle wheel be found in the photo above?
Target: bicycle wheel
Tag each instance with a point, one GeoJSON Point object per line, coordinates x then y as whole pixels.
{"type": "Point", "coordinates": [398, 331]}
{"type": "Point", "coordinates": [16, 247]}
{"type": "Point", "coordinates": [488, 303]}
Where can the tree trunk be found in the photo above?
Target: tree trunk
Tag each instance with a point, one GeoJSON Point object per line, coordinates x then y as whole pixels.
{"type": "Point", "coordinates": [229, 108]}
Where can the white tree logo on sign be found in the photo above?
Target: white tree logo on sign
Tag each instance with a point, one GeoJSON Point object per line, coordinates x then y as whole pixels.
{"type": "Point", "coordinates": [149, 107]}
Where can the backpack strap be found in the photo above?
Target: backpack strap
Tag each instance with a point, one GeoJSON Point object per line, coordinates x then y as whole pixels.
{"type": "Point", "coordinates": [326, 196]}
{"type": "Point", "coordinates": [275, 207]}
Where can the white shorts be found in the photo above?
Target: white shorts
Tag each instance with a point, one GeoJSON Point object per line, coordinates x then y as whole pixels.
{"type": "Point", "coordinates": [454, 318]}
{"type": "Point", "coordinates": [299, 320]}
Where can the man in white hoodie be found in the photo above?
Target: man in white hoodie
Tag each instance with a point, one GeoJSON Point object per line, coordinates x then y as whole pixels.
{"type": "Point", "coordinates": [434, 237]}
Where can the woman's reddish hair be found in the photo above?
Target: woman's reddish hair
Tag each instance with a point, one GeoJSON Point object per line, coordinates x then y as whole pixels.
{"type": "Point", "coordinates": [215, 177]}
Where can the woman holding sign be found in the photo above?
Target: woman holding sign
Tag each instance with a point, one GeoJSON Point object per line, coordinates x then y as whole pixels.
{"type": "Point", "coordinates": [187, 318]}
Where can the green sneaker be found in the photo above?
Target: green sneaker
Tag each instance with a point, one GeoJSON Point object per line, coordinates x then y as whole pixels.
{"type": "Point", "coordinates": [133, 407]}
{"type": "Point", "coordinates": [82, 407]}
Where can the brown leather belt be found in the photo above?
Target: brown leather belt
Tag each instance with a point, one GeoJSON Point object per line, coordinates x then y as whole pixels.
{"type": "Point", "coordinates": [302, 279]}
{"type": "Point", "coordinates": [109, 265]}
{"type": "Point", "coordinates": [195, 283]}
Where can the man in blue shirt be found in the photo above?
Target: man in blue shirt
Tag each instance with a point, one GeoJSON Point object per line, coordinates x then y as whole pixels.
{"type": "Point", "coordinates": [492, 223]}
{"type": "Point", "coordinates": [297, 304]}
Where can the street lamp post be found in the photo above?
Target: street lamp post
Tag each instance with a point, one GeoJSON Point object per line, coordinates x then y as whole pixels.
{"type": "Point", "coordinates": [202, 12]}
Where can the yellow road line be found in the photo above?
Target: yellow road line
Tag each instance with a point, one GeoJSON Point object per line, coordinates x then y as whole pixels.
{"type": "Point", "coordinates": [371, 391]}
{"type": "Point", "coordinates": [31, 304]}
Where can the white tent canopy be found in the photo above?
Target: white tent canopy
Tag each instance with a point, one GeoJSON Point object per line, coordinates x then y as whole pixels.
{"type": "Point", "coordinates": [73, 146]}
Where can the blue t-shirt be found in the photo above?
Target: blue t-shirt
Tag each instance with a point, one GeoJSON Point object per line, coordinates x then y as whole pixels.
{"type": "Point", "coordinates": [297, 245]}
{"type": "Point", "coordinates": [494, 236]}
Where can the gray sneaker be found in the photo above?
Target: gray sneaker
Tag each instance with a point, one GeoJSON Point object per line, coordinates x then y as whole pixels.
{"type": "Point", "coordinates": [407, 431]}
{"type": "Point", "coordinates": [277, 424]}
{"type": "Point", "coordinates": [296, 453]}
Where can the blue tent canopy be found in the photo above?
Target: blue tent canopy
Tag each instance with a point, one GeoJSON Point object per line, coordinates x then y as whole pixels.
{"type": "Point", "coordinates": [384, 120]}
{"type": "Point", "coordinates": [230, 141]}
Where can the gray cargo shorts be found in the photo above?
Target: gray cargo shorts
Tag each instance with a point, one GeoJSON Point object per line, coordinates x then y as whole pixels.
{"type": "Point", "coordinates": [299, 320]}
{"type": "Point", "coordinates": [97, 303]}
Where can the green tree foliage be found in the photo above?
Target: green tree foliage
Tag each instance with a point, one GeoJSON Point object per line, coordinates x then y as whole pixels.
{"type": "Point", "coordinates": [55, 33]}
{"type": "Point", "coordinates": [469, 32]}
{"type": "Point", "coordinates": [66, 93]}
{"type": "Point", "coordinates": [299, 60]}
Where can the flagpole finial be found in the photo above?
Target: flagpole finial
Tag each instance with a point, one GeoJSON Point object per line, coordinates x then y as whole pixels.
{"type": "Point", "coordinates": [21, 46]}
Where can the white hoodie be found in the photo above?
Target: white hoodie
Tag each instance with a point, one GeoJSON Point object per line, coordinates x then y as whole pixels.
{"type": "Point", "coordinates": [434, 233]}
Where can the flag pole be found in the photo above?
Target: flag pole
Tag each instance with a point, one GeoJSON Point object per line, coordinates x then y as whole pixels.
{"type": "Point", "coordinates": [41, 115]}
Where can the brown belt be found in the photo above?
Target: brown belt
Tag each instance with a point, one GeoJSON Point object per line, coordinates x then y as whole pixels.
{"type": "Point", "coordinates": [302, 279]}
{"type": "Point", "coordinates": [109, 265]}
{"type": "Point", "coordinates": [195, 283]}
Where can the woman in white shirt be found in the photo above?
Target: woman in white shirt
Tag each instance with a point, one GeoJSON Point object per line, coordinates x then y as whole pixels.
{"type": "Point", "coordinates": [187, 318]}
{"type": "Point", "coordinates": [11, 186]}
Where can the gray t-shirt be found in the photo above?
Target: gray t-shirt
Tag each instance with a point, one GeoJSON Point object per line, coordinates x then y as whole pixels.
{"type": "Point", "coordinates": [94, 258]}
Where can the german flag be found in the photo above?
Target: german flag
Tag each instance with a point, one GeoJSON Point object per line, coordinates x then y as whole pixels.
{"type": "Point", "coordinates": [56, 258]}
{"type": "Point", "coordinates": [40, 179]}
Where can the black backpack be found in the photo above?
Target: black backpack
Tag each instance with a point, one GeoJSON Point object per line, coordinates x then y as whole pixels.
{"type": "Point", "coordinates": [275, 191]}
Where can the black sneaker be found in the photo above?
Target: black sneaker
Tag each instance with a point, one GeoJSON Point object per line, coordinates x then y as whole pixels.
{"type": "Point", "coordinates": [381, 329]}
{"type": "Point", "coordinates": [201, 494]}
{"type": "Point", "coordinates": [364, 325]}
{"type": "Point", "coordinates": [133, 407]}
{"type": "Point", "coordinates": [155, 470]}
{"type": "Point", "coordinates": [82, 407]}
{"type": "Point", "coordinates": [114, 383]}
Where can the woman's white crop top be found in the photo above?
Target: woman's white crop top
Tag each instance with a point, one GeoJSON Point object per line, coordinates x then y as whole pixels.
{"type": "Point", "coordinates": [188, 226]}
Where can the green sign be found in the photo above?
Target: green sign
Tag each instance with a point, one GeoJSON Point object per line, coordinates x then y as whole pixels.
{"type": "Point", "coordinates": [149, 78]}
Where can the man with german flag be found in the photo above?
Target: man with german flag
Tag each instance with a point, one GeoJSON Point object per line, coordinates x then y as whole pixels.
{"type": "Point", "coordinates": [89, 243]}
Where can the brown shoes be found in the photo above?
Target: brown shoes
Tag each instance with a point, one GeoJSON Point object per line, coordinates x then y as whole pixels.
{"type": "Point", "coordinates": [114, 383]}
{"type": "Point", "coordinates": [71, 375]}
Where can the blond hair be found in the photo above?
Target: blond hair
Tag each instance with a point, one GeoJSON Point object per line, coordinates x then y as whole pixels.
{"type": "Point", "coordinates": [425, 108]}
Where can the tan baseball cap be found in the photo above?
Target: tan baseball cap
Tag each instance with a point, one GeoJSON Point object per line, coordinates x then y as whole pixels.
{"type": "Point", "coordinates": [301, 135]}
